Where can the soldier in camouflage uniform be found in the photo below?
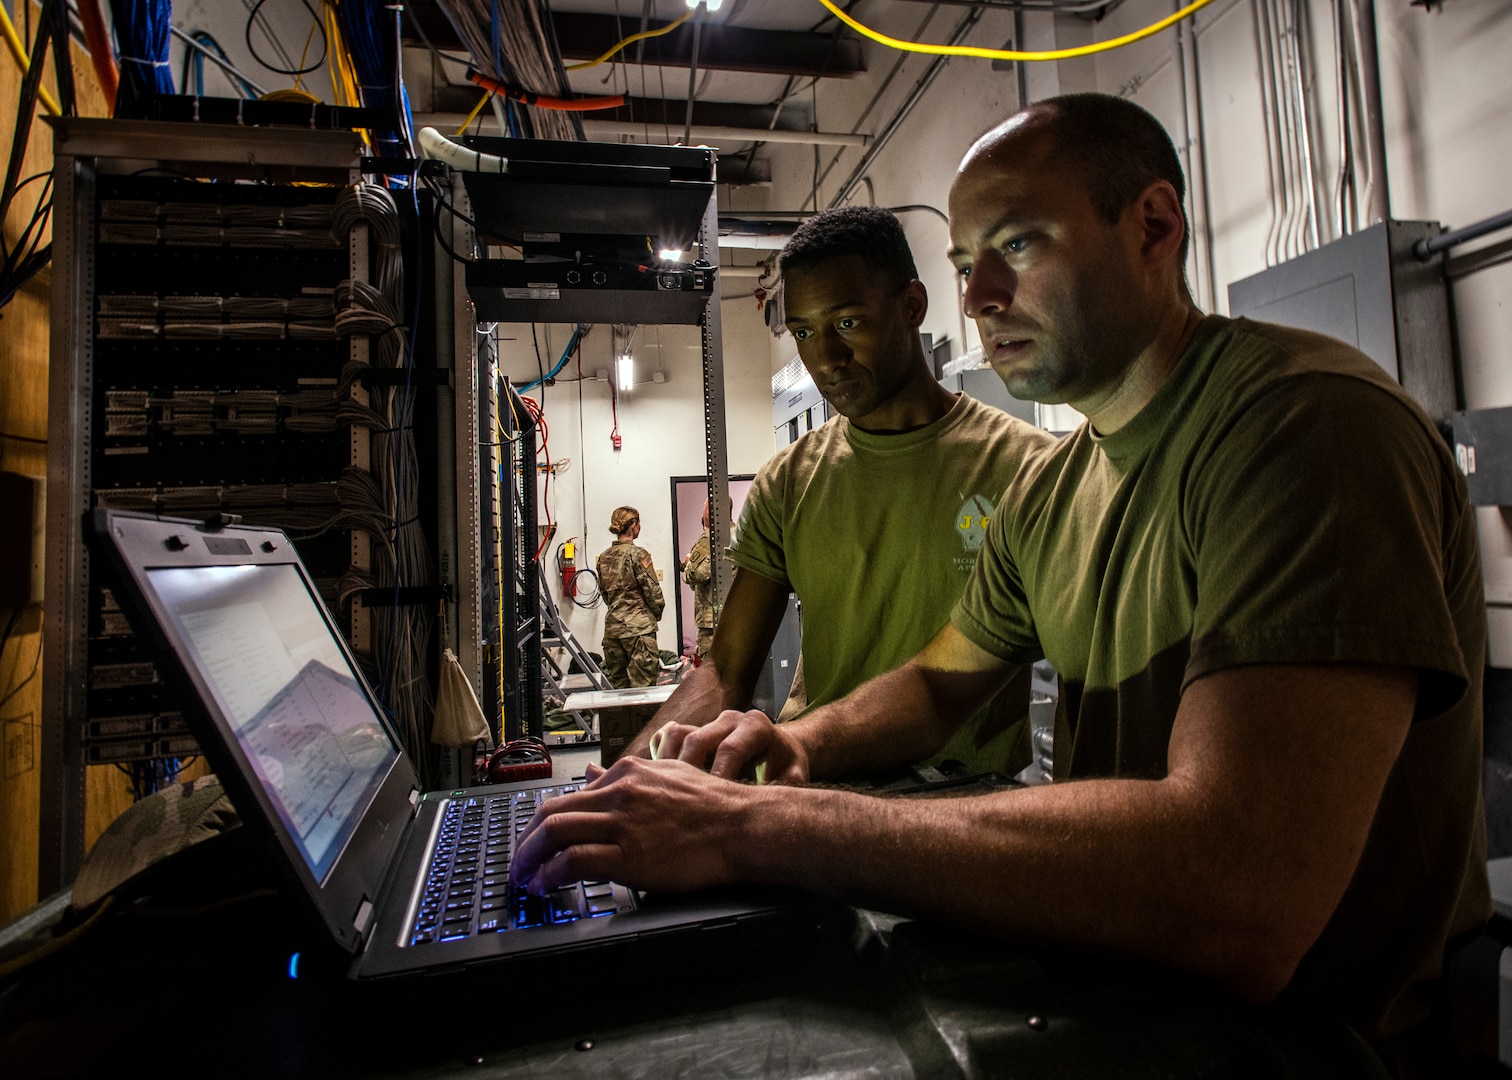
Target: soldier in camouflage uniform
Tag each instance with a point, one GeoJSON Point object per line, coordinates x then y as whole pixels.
{"type": "Point", "coordinates": [634, 600]}
{"type": "Point", "coordinates": [698, 573]}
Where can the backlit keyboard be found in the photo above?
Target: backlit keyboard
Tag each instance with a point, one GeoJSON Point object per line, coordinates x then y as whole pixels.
{"type": "Point", "coordinates": [467, 891]}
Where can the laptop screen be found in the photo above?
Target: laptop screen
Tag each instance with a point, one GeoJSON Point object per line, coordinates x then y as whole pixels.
{"type": "Point", "coordinates": [297, 710]}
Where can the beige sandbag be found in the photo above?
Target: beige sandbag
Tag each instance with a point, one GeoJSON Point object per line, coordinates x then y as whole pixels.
{"type": "Point", "coordinates": [459, 719]}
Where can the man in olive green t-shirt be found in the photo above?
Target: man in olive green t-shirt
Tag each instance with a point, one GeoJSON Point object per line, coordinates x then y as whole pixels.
{"type": "Point", "coordinates": [875, 518]}
{"type": "Point", "coordinates": [1255, 567]}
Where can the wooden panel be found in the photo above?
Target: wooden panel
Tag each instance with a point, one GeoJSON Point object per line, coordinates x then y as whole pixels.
{"type": "Point", "coordinates": [23, 449]}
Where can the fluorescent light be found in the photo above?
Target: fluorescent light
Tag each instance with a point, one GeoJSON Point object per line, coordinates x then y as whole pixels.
{"type": "Point", "coordinates": [670, 254]}
{"type": "Point", "coordinates": [624, 371]}
{"type": "Point", "coordinates": [713, 5]}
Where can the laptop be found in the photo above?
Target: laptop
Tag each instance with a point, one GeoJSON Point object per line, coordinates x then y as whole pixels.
{"type": "Point", "coordinates": [402, 880]}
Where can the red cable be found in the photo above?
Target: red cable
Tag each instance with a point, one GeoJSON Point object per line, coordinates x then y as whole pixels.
{"type": "Point", "coordinates": [538, 414]}
{"type": "Point", "coordinates": [542, 101]}
{"type": "Point", "coordinates": [98, 40]}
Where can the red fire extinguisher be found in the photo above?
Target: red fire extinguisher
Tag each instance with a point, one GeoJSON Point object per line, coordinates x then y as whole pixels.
{"type": "Point", "coordinates": [566, 562]}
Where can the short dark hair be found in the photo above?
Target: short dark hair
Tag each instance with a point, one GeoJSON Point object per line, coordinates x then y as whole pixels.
{"type": "Point", "coordinates": [1119, 148]}
{"type": "Point", "coordinates": [872, 232]}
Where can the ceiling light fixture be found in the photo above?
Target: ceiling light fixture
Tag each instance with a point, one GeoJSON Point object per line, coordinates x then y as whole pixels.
{"type": "Point", "coordinates": [624, 372]}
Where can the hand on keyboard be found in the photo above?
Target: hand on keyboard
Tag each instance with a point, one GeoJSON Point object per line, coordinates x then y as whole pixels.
{"type": "Point", "coordinates": [646, 824]}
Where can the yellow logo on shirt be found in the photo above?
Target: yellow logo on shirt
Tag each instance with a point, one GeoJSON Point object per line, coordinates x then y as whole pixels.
{"type": "Point", "coordinates": [971, 521]}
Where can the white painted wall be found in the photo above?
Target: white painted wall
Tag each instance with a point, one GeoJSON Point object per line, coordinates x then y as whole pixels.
{"type": "Point", "coordinates": [1445, 84]}
{"type": "Point", "coordinates": [662, 429]}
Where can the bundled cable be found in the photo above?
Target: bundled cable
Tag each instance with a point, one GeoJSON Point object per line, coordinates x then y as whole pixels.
{"type": "Point", "coordinates": [141, 28]}
{"type": "Point", "coordinates": [370, 32]}
{"type": "Point", "coordinates": [28, 254]}
{"type": "Point", "coordinates": [387, 500]}
{"type": "Point", "coordinates": [513, 43]}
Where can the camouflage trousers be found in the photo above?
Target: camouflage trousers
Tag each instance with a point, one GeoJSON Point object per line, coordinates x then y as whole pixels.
{"type": "Point", "coordinates": [705, 641]}
{"type": "Point", "coordinates": [632, 661]}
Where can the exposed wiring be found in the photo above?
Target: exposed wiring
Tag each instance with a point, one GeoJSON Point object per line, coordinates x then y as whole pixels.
{"type": "Point", "coordinates": [18, 50]}
{"type": "Point", "coordinates": [1011, 54]}
{"type": "Point", "coordinates": [633, 38]}
{"type": "Point", "coordinates": [101, 55]}
{"type": "Point", "coordinates": [193, 42]}
{"type": "Point", "coordinates": [558, 104]}
{"type": "Point", "coordinates": [579, 332]}
{"type": "Point", "coordinates": [482, 101]}
{"type": "Point", "coordinates": [202, 42]}
{"type": "Point", "coordinates": [142, 31]}
{"type": "Point", "coordinates": [295, 72]}
{"type": "Point", "coordinates": [513, 41]}
{"type": "Point", "coordinates": [538, 416]}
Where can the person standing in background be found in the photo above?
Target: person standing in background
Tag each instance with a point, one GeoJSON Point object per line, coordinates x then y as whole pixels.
{"type": "Point", "coordinates": [634, 602]}
{"type": "Point", "coordinates": [698, 572]}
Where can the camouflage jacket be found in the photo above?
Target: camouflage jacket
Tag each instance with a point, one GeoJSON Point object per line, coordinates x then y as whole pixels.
{"type": "Point", "coordinates": [632, 594]}
{"type": "Point", "coordinates": [699, 573]}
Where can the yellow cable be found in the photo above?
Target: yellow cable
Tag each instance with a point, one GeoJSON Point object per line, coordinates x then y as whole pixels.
{"type": "Point", "coordinates": [308, 38]}
{"type": "Point", "coordinates": [289, 93]}
{"type": "Point", "coordinates": [633, 38]}
{"type": "Point", "coordinates": [1010, 54]}
{"type": "Point", "coordinates": [18, 50]}
{"type": "Point", "coordinates": [482, 101]}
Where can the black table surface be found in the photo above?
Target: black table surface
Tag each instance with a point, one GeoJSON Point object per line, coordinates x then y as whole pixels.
{"type": "Point", "coordinates": [201, 981]}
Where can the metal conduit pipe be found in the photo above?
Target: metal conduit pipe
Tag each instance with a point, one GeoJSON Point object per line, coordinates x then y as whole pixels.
{"type": "Point", "coordinates": [698, 16]}
{"type": "Point", "coordinates": [1286, 114]}
{"type": "Point", "coordinates": [924, 83]}
{"type": "Point", "coordinates": [1375, 125]}
{"type": "Point", "coordinates": [1267, 117]}
{"type": "Point", "coordinates": [1201, 241]}
{"type": "Point", "coordinates": [876, 97]}
{"type": "Point", "coordinates": [1288, 47]}
{"type": "Point", "coordinates": [1299, 17]}
{"type": "Point", "coordinates": [713, 133]}
{"type": "Point", "coordinates": [1343, 213]}
{"type": "Point", "coordinates": [1425, 249]}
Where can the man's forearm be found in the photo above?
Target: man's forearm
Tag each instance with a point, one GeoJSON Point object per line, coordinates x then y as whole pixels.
{"type": "Point", "coordinates": [1138, 867]}
{"type": "Point", "coordinates": [896, 719]}
{"type": "Point", "coordinates": [701, 696]}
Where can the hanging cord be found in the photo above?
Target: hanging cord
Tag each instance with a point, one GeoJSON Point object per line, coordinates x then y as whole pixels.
{"type": "Point", "coordinates": [1012, 54]}
{"type": "Point", "coordinates": [18, 50]}
{"type": "Point", "coordinates": [633, 38]}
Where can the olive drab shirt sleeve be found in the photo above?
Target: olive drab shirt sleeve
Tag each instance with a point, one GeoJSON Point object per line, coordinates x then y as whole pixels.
{"type": "Point", "coordinates": [645, 577]}
{"type": "Point", "coordinates": [697, 569]}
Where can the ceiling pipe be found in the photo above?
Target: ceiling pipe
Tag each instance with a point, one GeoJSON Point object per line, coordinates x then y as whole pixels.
{"type": "Point", "coordinates": [1375, 124]}
{"type": "Point", "coordinates": [712, 133]}
{"type": "Point", "coordinates": [924, 83]}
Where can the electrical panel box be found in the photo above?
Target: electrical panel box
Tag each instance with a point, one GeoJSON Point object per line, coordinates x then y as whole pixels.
{"type": "Point", "coordinates": [1483, 449]}
{"type": "Point", "coordinates": [1370, 291]}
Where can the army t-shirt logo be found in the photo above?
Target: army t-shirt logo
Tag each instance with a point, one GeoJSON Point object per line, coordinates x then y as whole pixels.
{"type": "Point", "coordinates": [971, 522]}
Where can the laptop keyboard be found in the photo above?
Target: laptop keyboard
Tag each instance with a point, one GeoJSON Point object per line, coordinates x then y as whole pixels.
{"type": "Point", "coordinates": [467, 891]}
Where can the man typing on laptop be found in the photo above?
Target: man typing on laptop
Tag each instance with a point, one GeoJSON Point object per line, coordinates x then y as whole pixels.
{"type": "Point", "coordinates": [1255, 568]}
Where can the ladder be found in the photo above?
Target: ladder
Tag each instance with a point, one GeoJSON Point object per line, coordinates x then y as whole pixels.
{"type": "Point", "coordinates": [555, 634]}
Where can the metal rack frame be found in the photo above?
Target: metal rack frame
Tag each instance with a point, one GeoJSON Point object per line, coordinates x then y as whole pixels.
{"type": "Point", "coordinates": [507, 664]}
{"type": "Point", "coordinates": [83, 150]}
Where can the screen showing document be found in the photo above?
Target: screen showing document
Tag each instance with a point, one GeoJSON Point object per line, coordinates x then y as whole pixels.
{"type": "Point", "coordinates": [302, 719]}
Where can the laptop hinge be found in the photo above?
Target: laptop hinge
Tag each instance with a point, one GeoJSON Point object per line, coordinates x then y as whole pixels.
{"type": "Point", "coordinates": [414, 798]}
{"type": "Point", "coordinates": [363, 917]}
